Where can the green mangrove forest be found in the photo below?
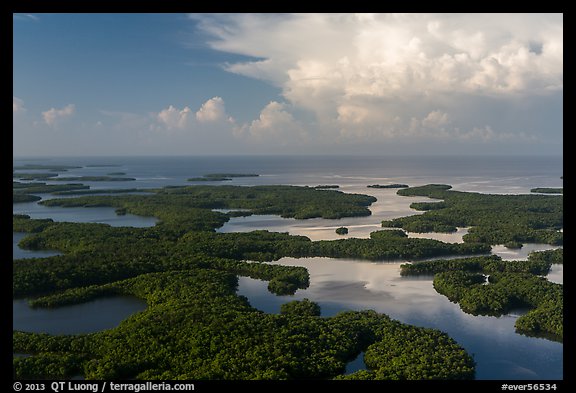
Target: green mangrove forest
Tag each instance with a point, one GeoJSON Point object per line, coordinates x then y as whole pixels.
{"type": "Point", "coordinates": [493, 219]}
{"type": "Point", "coordinates": [196, 327]}
{"type": "Point", "coordinates": [487, 285]}
{"type": "Point", "coordinates": [547, 190]}
{"type": "Point", "coordinates": [222, 176]}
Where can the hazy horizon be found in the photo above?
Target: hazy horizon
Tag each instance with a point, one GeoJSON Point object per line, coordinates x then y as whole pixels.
{"type": "Point", "coordinates": [287, 84]}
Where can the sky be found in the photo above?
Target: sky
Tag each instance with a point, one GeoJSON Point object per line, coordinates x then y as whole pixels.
{"type": "Point", "coordinates": [267, 84]}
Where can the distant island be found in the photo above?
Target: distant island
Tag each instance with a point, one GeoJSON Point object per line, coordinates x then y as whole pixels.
{"type": "Point", "coordinates": [53, 177]}
{"type": "Point", "coordinates": [46, 167]}
{"type": "Point", "coordinates": [326, 186]}
{"type": "Point", "coordinates": [547, 190]}
{"type": "Point", "coordinates": [222, 176]}
{"type": "Point", "coordinates": [395, 185]}
{"type": "Point", "coordinates": [93, 178]}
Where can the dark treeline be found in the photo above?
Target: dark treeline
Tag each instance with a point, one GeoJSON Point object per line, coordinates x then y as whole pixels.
{"type": "Point", "coordinates": [34, 176]}
{"type": "Point", "coordinates": [485, 264]}
{"type": "Point", "coordinates": [395, 185]}
{"type": "Point", "coordinates": [285, 201]}
{"type": "Point", "coordinates": [24, 192]}
{"type": "Point", "coordinates": [195, 327]}
{"type": "Point", "coordinates": [487, 285]}
{"type": "Point", "coordinates": [100, 191]}
{"type": "Point", "coordinates": [547, 190]}
{"type": "Point", "coordinates": [549, 256]}
{"type": "Point", "coordinates": [18, 197]}
{"type": "Point", "coordinates": [222, 176]}
{"type": "Point", "coordinates": [494, 219]}
{"type": "Point", "coordinates": [504, 292]}
{"type": "Point", "coordinates": [93, 178]}
{"type": "Point", "coordinates": [55, 168]}
{"type": "Point", "coordinates": [256, 245]}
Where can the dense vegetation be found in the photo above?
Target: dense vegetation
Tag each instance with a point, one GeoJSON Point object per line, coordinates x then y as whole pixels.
{"type": "Point", "coordinates": [34, 176]}
{"type": "Point", "coordinates": [222, 176]}
{"type": "Point", "coordinates": [93, 178]}
{"type": "Point", "coordinates": [493, 219]}
{"type": "Point", "coordinates": [169, 204]}
{"type": "Point", "coordinates": [256, 245]}
{"type": "Point", "coordinates": [394, 185]}
{"type": "Point", "coordinates": [555, 256]}
{"type": "Point", "coordinates": [232, 175]}
{"type": "Point", "coordinates": [195, 327]}
{"type": "Point", "coordinates": [213, 178]}
{"type": "Point", "coordinates": [56, 168]}
{"type": "Point", "coordinates": [18, 197]}
{"type": "Point", "coordinates": [511, 284]}
{"type": "Point", "coordinates": [481, 264]}
{"type": "Point", "coordinates": [405, 352]}
{"type": "Point", "coordinates": [53, 177]}
{"type": "Point", "coordinates": [100, 191]}
{"type": "Point", "coordinates": [43, 188]}
{"type": "Point", "coordinates": [547, 190]}
{"type": "Point", "coordinates": [504, 292]}
{"type": "Point", "coordinates": [23, 192]}
{"type": "Point", "coordinates": [298, 308]}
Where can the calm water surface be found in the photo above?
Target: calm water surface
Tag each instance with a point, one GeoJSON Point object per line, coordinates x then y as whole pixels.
{"type": "Point", "coordinates": [104, 215]}
{"type": "Point", "coordinates": [342, 284]}
{"type": "Point", "coordinates": [19, 253]}
{"type": "Point", "coordinates": [89, 317]}
{"type": "Point", "coordinates": [346, 284]}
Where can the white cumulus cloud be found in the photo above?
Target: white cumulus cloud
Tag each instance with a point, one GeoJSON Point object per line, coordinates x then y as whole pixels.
{"type": "Point", "coordinates": [54, 116]}
{"type": "Point", "coordinates": [212, 110]}
{"type": "Point", "coordinates": [277, 124]}
{"type": "Point", "coordinates": [393, 75]}
{"type": "Point", "coordinates": [211, 114]}
{"type": "Point", "coordinates": [173, 118]}
{"type": "Point", "coordinates": [17, 105]}
{"type": "Point", "coordinates": [435, 119]}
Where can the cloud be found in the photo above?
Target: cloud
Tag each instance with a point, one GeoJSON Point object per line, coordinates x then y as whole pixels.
{"type": "Point", "coordinates": [17, 105]}
{"type": "Point", "coordinates": [277, 124]}
{"type": "Point", "coordinates": [54, 116]}
{"type": "Point", "coordinates": [435, 119]}
{"type": "Point", "coordinates": [173, 118]}
{"type": "Point", "coordinates": [380, 54]}
{"type": "Point", "coordinates": [212, 110]}
{"type": "Point", "coordinates": [211, 113]}
{"type": "Point", "coordinates": [383, 76]}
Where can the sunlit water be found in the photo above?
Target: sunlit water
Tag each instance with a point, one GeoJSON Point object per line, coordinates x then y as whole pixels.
{"type": "Point", "coordinates": [105, 215]}
{"type": "Point", "coordinates": [344, 284]}
{"type": "Point", "coordinates": [341, 284]}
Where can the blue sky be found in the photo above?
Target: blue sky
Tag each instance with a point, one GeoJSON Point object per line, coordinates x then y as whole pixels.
{"type": "Point", "coordinates": [202, 84]}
